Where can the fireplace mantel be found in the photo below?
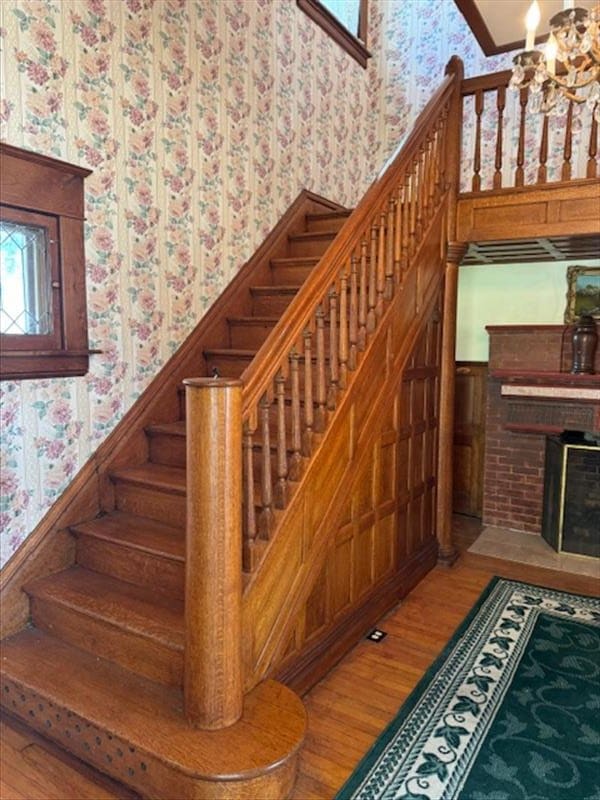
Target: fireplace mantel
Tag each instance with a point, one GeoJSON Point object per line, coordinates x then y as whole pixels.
{"type": "Point", "coordinates": [577, 388]}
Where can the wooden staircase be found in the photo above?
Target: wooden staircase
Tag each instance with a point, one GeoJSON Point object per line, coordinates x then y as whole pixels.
{"type": "Point", "coordinates": [100, 668]}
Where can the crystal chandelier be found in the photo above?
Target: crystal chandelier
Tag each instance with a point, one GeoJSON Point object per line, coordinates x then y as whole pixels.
{"type": "Point", "coordinates": [569, 63]}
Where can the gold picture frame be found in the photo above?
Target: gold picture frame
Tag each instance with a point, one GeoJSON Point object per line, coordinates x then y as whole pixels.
{"type": "Point", "coordinates": [583, 293]}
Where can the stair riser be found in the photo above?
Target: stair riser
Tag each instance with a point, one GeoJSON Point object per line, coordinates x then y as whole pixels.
{"type": "Point", "coordinates": [309, 247]}
{"type": "Point", "coordinates": [143, 656]}
{"type": "Point", "coordinates": [228, 367]}
{"type": "Point", "coordinates": [248, 336]}
{"type": "Point", "coordinates": [290, 274]}
{"type": "Point", "coordinates": [166, 449]}
{"type": "Point", "coordinates": [102, 747]}
{"type": "Point", "coordinates": [163, 575]}
{"type": "Point", "coordinates": [147, 501]}
{"type": "Point", "coordinates": [325, 223]}
{"type": "Point", "coordinates": [271, 305]}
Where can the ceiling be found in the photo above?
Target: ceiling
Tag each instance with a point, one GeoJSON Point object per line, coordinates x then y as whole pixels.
{"type": "Point", "coordinates": [499, 25]}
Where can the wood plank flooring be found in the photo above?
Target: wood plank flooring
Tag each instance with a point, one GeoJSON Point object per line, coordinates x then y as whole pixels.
{"type": "Point", "coordinates": [346, 710]}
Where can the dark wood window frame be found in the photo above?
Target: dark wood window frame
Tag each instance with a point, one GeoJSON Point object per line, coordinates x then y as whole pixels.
{"type": "Point", "coordinates": [356, 46]}
{"type": "Point", "coordinates": [49, 193]}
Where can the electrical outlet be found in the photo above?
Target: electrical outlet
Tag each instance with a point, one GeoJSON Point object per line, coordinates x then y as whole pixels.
{"type": "Point", "coordinates": [376, 635]}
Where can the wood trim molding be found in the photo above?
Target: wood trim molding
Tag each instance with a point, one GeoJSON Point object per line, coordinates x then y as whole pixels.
{"type": "Point", "coordinates": [482, 33]}
{"type": "Point", "coordinates": [353, 45]}
{"type": "Point", "coordinates": [49, 548]}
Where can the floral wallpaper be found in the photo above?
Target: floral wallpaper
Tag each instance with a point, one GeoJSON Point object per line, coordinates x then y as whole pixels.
{"type": "Point", "coordinates": [201, 120]}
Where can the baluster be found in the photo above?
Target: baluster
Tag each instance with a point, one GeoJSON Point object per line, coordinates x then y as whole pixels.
{"type": "Point", "coordinates": [592, 165]}
{"type": "Point", "coordinates": [425, 190]}
{"type": "Point", "coordinates": [413, 210]}
{"type": "Point", "coordinates": [389, 251]}
{"type": "Point", "coordinates": [500, 105]}
{"type": "Point", "coordinates": [419, 197]}
{"type": "Point", "coordinates": [295, 466]}
{"type": "Point", "coordinates": [353, 323]}
{"type": "Point", "coordinates": [266, 514]}
{"type": "Point", "coordinates": [343, 337]}
{"type": "Point", "coordinates": [362, 301]}
{"type": "Point", "coordinates": [281, 487]}
{"type": "Point", "coordinates": [372, 280]}
{"type": "Point", "coordinates": [432, 167]}
{"type": "Point", "coordinates": [398, 238]}
{"type": "Point", "coordinates": [566, 167]}
{"type": "Point", "coordinates": [443, 134]}
{"type": "Point", "coordinates": [334, 375]}
{"type": "Point", "coordinates": [321, 415]}
{"type": "Point", "coordinates": [405, 223]}
{"type": "Point", "coordinates": [519, 173]}
{"type": "Point", "coordinates": [309, 410]}
{"type": "Point", "coordinates": [543, 151]}
{"type": "Point", "coordinates": [476, 182]}
{"type": "Point", "coordinates": [249, 549]}
{"type": "Point", "coordinates": [381, 267]}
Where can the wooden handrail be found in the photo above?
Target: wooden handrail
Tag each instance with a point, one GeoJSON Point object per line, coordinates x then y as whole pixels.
{"type": "Point", "coordinates": [485, 83]}
{"type": "Point", "coordinates": [261, 372]}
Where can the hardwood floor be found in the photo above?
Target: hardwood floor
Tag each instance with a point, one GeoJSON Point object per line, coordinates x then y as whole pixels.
{"type": "Point", "coordinates": [346, 710]}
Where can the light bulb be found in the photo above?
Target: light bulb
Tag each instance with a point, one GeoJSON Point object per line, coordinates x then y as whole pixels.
{"type": "Point", "coordinates": [551, 51]}
{"type": "Point", "coordinates": [532, 20]}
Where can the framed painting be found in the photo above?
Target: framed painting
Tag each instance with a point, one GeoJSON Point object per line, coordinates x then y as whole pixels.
{"type": "Point", "coordinates": [583, 293]}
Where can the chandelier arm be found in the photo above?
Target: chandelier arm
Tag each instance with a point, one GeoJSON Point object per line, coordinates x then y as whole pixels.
{"type": "Point", "coordinates": [564, 85]}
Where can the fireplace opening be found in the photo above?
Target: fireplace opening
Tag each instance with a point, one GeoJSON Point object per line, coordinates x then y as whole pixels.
{"type": "Point", "coordinates": [571, 509]}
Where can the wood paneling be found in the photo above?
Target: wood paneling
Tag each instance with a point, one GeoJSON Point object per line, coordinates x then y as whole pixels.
{"type": "Point", "coordinates": [469, 437]}
{"type": "Point", "coordinates": [384, 537]}
{"type": "Point", "coordinates": [561, 209]}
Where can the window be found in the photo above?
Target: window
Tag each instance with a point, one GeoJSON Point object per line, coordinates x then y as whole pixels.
{"type": "Point", "coordinates": [345, 21]}
{"type": "Point", "coordinates": [43, 319]}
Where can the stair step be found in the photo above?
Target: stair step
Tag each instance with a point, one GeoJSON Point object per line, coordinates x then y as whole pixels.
{"type": "Point", "coordinates": [152, 490]}
{"type": "Point", "coordinates": [230, 362]}
{"type": "Point", "coordinates": [310, 243]}
{"type": "Point", "coordinates": [131, 625]}
{"type": "Point", "coordinates": [272, 300]}
{"type": "Point", "coordinates": [135, 731]}
{"type": "Point", "coordinates": [134, 549]}
{"type": "Point", "coordinates": [286, 271]}
{"type": "Point", "coordinates": [167, 442]}
{"type": "Point", "coordinates": [250, 332]}
{"type": "Point", "coordinates": [328, 220]}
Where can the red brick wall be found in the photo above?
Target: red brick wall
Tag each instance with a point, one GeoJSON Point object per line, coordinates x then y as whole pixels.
{"type": "Point", "coordinates": [514, 462]}
{"type": "Point", "coordinates": [514, 470]}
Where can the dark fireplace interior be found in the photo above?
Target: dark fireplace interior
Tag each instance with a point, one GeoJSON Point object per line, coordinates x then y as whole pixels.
{"type": "Point", "coordinates": [571, 507]}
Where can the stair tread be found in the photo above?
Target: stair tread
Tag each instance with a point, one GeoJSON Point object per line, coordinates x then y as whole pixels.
{"type": "Point", "coordinates": [231, 352]}
{"type": "Point", "coordinates": [309, 235]}
{"type": "Point", "coordinates": [287, 261]}
{"type": "Point", "coordinates": [344, 212]}
{"type": "Point", "coordinates": [134, 608]}
{"type": "Point", "coordinates": [276, 289]}
{"type": "Point", "coordinates": [149, 715]}
{"type": "Point", "coordinates": [160, 476]}
{"type": "Point", "coordinates": [254, 320]}
{"type": "Point", "coordinates": [176, 428]}
{"type": "Point", "coordinates": [139, 533]}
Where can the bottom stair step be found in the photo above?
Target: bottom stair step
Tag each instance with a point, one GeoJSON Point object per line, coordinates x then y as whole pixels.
{"type": "Point", "coordinates": [134, 730]}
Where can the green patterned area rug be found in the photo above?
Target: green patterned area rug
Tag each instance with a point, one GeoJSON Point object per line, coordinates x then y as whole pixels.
{"type": "Point", "coordinates": [509, 711]}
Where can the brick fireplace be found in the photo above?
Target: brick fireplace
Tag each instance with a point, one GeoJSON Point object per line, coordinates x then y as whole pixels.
{"type": "Point", "coordinates": [531, 394]}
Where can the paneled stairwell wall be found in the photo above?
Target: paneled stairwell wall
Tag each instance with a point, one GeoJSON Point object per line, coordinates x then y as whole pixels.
{"type": "Point", "coordinates": [201, 120]}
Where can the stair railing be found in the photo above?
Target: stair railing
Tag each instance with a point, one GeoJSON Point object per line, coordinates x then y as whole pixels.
{"type": "Point", "coordinates": [522, 147]}
{"type": "Point", "coordinates": [290, 391]}
{"type": "Point", "coordinates": [295, 380]}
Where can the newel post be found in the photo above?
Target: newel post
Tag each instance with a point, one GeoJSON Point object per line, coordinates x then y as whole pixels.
{"type": "Point", "coordinates": [454, 254]}
{"type": "Point", "coordinates": [213, 688]}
